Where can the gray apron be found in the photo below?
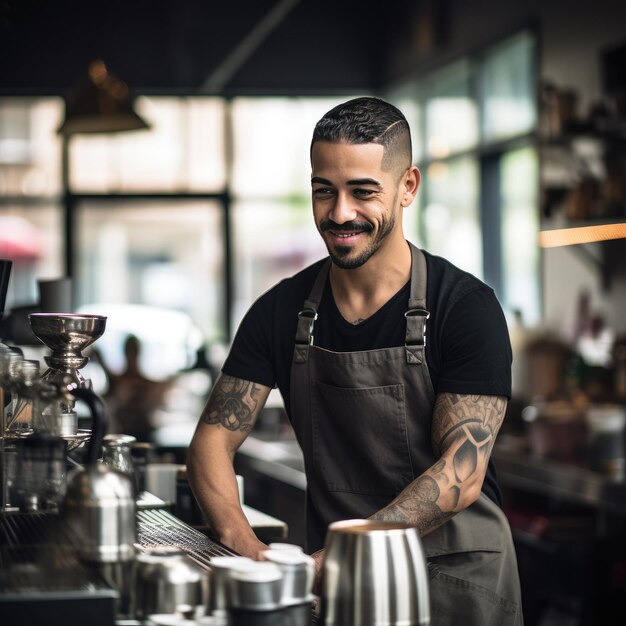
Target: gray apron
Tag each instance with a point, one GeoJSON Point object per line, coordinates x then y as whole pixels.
{"type": "Point", "coordinates": [349, 412]}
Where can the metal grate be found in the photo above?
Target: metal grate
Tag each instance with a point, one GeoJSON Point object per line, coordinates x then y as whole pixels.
{"type": "Point", "coordinates": [18, 529]}
{"type": "Point", "coordinates": [35, 554]}
{"type": "Point", "coordinates": [35, 557]}
{"type": "Point", "coordinates": [160, 528]}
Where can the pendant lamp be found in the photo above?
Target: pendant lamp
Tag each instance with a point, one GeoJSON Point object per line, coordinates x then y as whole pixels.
{"type": "Point", "coordinates": [100, 103]}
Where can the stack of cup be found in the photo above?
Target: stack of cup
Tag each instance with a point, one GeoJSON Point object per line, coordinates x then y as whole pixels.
{"type": "Point", "coordinates": [298, 570]}
{"type": "Point", "coordinates": [276, 591]}
{"type": "Point", "coordinates": [256, 595]}
{"type": "Point", "coordinates": [219, 581]}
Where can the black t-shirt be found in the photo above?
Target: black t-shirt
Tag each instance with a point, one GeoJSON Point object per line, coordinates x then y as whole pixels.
{"type": "Point", "coordinates": [467, 342]}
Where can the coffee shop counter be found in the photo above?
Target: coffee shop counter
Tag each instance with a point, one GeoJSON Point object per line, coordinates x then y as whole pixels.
{"type": "Point", "coordinates": [281, 460]}
{"type": "Point", "coordinates": [571, 482]}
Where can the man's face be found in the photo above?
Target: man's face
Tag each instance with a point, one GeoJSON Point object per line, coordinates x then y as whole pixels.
{"type": "Point", "coordinates": [355, 201]}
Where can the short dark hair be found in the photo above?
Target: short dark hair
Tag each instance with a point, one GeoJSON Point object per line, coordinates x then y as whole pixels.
{"type": "Point", "coordinates": [367, 120]}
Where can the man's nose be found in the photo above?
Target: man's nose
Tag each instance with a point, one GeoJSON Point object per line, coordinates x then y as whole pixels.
{"type": "Point", "coordinates": [343, 210]}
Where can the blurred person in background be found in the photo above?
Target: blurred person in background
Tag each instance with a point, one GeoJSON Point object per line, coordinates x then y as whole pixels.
{"type": "Point", "coordinates": [132, 397]}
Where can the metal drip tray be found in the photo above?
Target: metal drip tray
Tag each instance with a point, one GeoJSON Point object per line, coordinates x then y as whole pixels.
{"type": "Point", "coordinates": [42, 582]}
{"type": "Point", "coordinates": [35, 555]}
{"type": "Point", "coordinates": [157, 527]}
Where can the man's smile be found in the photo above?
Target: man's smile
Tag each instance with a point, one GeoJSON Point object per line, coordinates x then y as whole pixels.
{"type": "Point", "coordinates": [347, 230]}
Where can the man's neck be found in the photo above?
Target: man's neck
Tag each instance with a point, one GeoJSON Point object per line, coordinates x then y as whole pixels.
{"type": "Point", "coordinates": [360, 292]}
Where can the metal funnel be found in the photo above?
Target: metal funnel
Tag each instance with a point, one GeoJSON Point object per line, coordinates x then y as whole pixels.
{"type": "Point", "coordinates": [67, 335]}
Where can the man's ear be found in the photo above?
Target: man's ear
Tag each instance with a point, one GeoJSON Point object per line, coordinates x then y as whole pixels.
{"type": "Point", "coordinates": [411, 183]}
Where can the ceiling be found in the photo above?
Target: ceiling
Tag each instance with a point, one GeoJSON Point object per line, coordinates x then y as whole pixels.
{"type": "Point", "coordinates": [313, 47]}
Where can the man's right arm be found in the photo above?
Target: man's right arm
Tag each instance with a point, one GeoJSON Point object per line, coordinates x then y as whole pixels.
{"type": "Point", "coordinates": [228, 417]}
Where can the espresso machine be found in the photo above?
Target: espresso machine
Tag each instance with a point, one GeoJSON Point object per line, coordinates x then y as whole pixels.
{"type": "Point", "coordinates": [67, 523]}
{"type": "Point", "coordinates": [74, 531]}
{"type": "Point", "coordinates": [39, 417]}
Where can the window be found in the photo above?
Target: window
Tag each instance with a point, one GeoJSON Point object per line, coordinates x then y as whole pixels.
{"type": "Point", "coordinates": [30, 236]}
{"type": "Point", "coordinates": [182, 151]}
{"type": "Point", "coordinates": [149, 212]}
{"type": "Point", "coordinates": [162, 254]}
{"type": "Point", "coordinates": [450, 219]}
{"type": "Point", "coordinates": [473, 123]}
{"type": "Point", "coordinates": [274, 232]}
{"type": "Point", "coordinates": [451, 115]}
{"type": "Point", "coordinates": [520, 224]}
{"type": "Point", "coordinates": [507, 89]}
{"type": "Point", "coordinates": [31, 215]}
{"type": "Point", "coordinates": [30, 149]}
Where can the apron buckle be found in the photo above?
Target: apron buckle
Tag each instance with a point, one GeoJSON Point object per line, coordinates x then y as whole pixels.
{"type": "Point", "coordinates": [420, 339]}
{"type": "Point", "coordinates": [308, 317]}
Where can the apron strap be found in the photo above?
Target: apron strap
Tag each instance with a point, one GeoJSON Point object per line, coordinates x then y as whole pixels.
{"type": "Point", "coordinates": [308, 315]}
{"type": "Point", "coordinates": [417, 314]}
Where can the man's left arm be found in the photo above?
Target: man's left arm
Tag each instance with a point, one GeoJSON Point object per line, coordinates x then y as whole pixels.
{"type": "Point", "coordinates": [464, 429]}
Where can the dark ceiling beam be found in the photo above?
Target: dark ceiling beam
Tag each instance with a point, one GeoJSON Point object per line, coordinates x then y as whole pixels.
{"type": "Point", "coordinates": [221, 75]}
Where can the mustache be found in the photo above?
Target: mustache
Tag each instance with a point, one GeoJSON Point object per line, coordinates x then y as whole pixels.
{"type": "Point", "coordinates": [352, 227]}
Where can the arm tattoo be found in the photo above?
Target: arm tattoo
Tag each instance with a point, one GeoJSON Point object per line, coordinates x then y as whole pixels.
{"type": "Point", "coordinates": [466, 426]}
{"type": "Point", "coordinates": [417, 505]}
{"type": "Point", "coordinates": [233, 404]}
{"type": "Point", "coordinates": [464, 429]}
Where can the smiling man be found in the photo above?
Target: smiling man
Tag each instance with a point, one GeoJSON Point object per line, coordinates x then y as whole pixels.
{"type": "Point", "coordinates": [391, 427]}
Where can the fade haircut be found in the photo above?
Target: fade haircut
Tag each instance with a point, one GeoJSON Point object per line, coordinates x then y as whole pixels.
{"type": "Point", "coordinates": [369, 120]}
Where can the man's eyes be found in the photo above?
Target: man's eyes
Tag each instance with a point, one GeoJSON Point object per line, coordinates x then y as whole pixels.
{"type": "Point", "coordinates": [358, 192]}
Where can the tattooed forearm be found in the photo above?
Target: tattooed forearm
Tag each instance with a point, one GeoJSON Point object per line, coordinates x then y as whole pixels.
{"type": "Point", "coordinates": [464, 429]}
{"type": "Point", "coordinates": [234, 404]}
{"type": "Point", "coordinates": [416, 505]}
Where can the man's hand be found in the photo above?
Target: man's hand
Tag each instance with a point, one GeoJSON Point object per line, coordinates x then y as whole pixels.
{"type": "Point", "coordinates": [318, 557]}
{"type": "Point", "coordinates": [248, 546]}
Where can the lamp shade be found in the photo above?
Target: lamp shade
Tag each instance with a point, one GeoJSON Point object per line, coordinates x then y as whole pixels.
{"type": "Point", "coordinates": [100, 103]}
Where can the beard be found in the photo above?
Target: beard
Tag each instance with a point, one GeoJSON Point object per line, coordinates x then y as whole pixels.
{"type": "Point", "coordinates": [340, 255]}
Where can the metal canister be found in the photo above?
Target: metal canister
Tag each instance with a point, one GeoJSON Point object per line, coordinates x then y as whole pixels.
{"type": "Point", "coordinates": [168, 582]}
{"type": "Point", "coordinates": [41, 475]}
{"type": "Point", "coordinates": [298, 570]}
{"type": "Point", "coordinates": [256, 596]}
{"type": "Point", "coordinates": [100, 513]}
{"type": "Point", "coordinates": [116, 452]}
{"type": "Point", "coordinates": [219, 574]}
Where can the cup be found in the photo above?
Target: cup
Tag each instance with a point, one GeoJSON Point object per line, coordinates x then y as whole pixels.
{"type": "Point", "coordinates": [298, 571]}
{"type": "Point", "coordinates": [255, 593]}
{"type": "Point", "coordinates": [168, 581]}
{"type": "Point", "coordinates": [290, 547]}
{"type": "Point", "coordinates": [116, 452]}
{"type": "Point", "coordinates": [606, 425]}
{"type": "Point", "coordinates": [55, 296]}
{"type": "Point", "coordinates": [221, 568]}
{"type": "Point", "coordinates": [374, 574]}
{"type": "Point", "coordinates": [161, 480]}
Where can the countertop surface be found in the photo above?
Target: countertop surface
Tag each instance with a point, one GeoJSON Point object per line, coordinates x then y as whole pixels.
{"type": "Point", "coordinates": [515, 465]}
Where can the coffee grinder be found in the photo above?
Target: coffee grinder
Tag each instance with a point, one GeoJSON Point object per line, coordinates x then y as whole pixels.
{"type": "Point", "coordinates": [67, 335]}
